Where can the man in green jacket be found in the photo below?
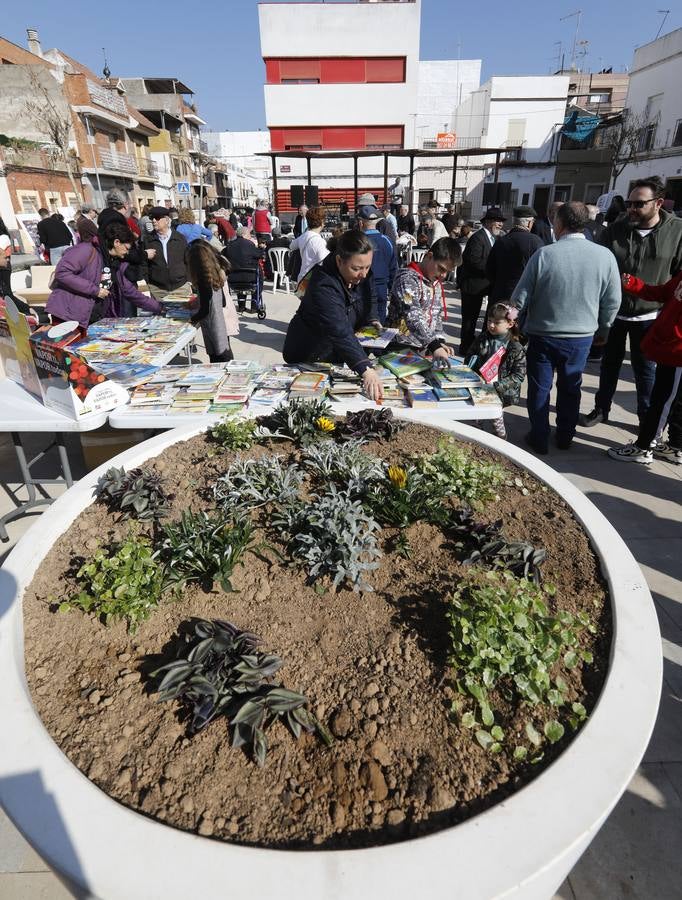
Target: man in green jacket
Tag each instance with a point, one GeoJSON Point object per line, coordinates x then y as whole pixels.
{"type": "Point", "coordinates": [647, 244]}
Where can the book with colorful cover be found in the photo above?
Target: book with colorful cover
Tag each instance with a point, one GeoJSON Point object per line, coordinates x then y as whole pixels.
{"type": "Point", "coordinates": [485, 395]}
{"type": "Point", "coordinates": [372, 338]}
{"type": "Point", "coordinates": [309, 384]}
{"type": "Point", "coordinates": [191, 409]}
{"type": "Point", "coordinates": [489, 370]}
{"type": "Point", "coordinates": [267, 397]}
{"type": "Point", "coordinates": [169, 374]}
{"type": "Point", "coordinates": [461, 377]}
{"type": "Point", "coordinates": [420, 398]}
{"type": "Point", "coordinates": [445, 394]}
{"type": "Point", "coordinates": [406, 363]}
{"type": "Point", "coordinates": [129, 376]}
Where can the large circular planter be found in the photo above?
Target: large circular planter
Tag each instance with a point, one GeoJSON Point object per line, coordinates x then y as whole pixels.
{"type": "Point", "coordinates": [523, 847]}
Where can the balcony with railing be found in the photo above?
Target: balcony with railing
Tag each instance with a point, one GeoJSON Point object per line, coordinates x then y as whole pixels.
{"type": "Point", "coordinates": [117, 162]}
{"type": "Point", "coordinates": [107, 99]}
{"type": "Point", "coordinates": [147, 168]}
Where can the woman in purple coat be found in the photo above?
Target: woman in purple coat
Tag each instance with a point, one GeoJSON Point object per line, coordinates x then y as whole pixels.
{"type": "Point", "coordinates": [89, 281]}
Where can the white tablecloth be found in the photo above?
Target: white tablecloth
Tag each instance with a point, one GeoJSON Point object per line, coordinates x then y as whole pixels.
{"type": "Point", "coordinates": [20, 411]}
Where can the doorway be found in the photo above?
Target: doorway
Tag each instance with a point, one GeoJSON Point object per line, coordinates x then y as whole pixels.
{"type": "Point", "coordinates": [541, 199]}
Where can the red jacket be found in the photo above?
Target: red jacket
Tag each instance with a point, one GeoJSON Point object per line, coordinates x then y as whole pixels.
{"type": "Point", "coordinates": [657, 293]}
{"type": "Point", "coordinates": [663, 341]}
{"type": "Point", "coordinates": [225, 229]}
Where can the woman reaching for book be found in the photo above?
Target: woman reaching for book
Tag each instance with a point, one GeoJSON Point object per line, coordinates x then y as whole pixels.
{"type": "Point", "coordinates": [87, 285]}
{"type": "Point", "coordinates": [340, 299]}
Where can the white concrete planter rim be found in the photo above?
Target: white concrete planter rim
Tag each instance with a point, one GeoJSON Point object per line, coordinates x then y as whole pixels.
{"type": "Point", "coordinates": [523, 846]}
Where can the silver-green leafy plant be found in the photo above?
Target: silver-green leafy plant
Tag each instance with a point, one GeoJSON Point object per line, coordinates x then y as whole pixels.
{"type": "Point", "coordinates": [460, 474]}
{"type": "Point", "coordinates": [203, 548]}
{"type": "Point", "coordinates": [250, 483]}
{"type": "Point", "coordinates": [331, 534]}
{"type": "Point", "coordinates": [219, 672]}
{"type": "Point", "coordinates": [345, 464]}
{"type": "Point", "coordinates": [503, 636]}
{"type": "Point", "coordinates": [122, 582]}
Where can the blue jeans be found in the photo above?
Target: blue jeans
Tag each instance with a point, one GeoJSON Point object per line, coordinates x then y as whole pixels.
{"type": "Point", "coordinates": [566, 357]}
{"type": "Point", "coordinates": [643, 369]}
{"type": "Point", "coordinates": [56, 254]}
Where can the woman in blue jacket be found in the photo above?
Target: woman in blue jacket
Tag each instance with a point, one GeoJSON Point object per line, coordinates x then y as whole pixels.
{"type": "Point", "coordinates": [340, 299]}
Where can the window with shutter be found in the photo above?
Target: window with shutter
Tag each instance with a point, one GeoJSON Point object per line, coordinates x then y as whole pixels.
{"type": "Point", "coordinates": [385, 137]}
{"type": "Point", "coordinates": [385, 71]}
{"type": "Point", "coordinates": [299, 71]}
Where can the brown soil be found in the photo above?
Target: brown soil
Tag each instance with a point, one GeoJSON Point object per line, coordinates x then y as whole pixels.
{"type": "Point", "coordinates": [373, 666]}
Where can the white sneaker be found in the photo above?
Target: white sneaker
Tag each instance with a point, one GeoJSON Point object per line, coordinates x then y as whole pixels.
{"type": "Point", "coordinates": [662, 450]}
{"type": "Point", "coordinates": [631, 453]}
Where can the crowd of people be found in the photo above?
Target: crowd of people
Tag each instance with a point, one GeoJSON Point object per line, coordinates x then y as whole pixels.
{"type": "Point", "coordinates": [560, 289]}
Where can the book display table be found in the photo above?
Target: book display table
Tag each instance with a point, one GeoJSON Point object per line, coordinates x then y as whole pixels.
{"type": "Point", "coordinates": [21, 413]}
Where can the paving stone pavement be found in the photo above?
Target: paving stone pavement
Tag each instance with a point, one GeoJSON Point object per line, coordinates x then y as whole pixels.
{"type": "Point", "coordinates": [636, 855]}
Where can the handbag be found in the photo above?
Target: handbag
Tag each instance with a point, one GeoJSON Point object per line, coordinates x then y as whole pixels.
{"type": "Point", "coordinates": [663, 341]}
{"type": "Point", "coordinates": [231, 317]}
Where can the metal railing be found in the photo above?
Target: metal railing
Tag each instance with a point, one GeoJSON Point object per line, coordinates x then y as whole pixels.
{"type": "Point", "coordinates": [147, 167]}
{"type": "Point", "coordinates": [119, 162]}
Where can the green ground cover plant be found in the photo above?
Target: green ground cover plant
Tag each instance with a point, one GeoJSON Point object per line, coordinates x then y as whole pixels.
{"type": "Point", "coordinates": [234, 434]}
{"type": "Point", "coordinates": [301, 420]}
{"type": "Point", "coordinates": [125, 582]}
{"type": "Point", "coordinates": [504, 637]}
{"type": "Point", "coordinates": [251, 483]}
{"type": "Point", "coordinates": [460, 474]}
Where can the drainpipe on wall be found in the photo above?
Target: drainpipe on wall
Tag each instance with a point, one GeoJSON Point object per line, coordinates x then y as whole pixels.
{"type": "Point", "coordinates": [91, 141]}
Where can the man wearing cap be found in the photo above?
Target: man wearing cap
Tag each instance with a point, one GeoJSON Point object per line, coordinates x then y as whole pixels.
{"type": "Point", "coordinates": [473, 281]}
{"type": "Point", "coordinates": [384, 264]}
{"type": "Point", "coordinates": [510, 254]}
{"type": "Point", "coordinates": [166, 270]}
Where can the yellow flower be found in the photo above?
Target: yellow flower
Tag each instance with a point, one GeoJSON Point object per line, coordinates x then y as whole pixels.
{"type": "Point", "coordinates": [324, 423]}
{"type": "Point", "coordinates": [397, 476]}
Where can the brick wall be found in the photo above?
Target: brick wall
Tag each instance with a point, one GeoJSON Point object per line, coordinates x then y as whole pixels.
{"type": "Point", "coordinates": [43, 184]}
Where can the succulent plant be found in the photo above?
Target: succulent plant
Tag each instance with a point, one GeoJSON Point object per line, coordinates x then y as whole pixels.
{"type": "Point", "coordinates": [219, 671]}
{"type": "Point", "coordinates": [137, 494]}
{"type": "Point", "coordinates": [203, 548]}
{"type": "Point", "coordinates": [518, 557]}
{"type": "Point", "coordinates": [371, 424]}
{"type": "Point", "coordinates": [332, 534]}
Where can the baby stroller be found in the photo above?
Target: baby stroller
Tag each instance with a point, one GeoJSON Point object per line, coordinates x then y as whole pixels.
{"type": "Point", "coordinates": [247, 283]}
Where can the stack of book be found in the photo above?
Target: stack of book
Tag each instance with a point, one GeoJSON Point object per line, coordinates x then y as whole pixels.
{"type": "Point", "coordinates": [177, 305]}
{"type": "Point", "coordinates": [309, 385]}
{"type": "Point", "coordinates": [197, 389]}
{"type": "Point", "coordinates": [345, 382]}
{"type": "Point", "coordinates": [152, 398]}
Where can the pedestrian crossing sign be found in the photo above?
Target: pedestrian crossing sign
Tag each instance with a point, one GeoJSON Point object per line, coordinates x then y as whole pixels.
{"type": "Point", "coordinates": [182, 187]}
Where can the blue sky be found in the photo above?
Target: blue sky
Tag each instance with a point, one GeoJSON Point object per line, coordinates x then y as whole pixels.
{"type": "Point", "coordinates": [217, 52]}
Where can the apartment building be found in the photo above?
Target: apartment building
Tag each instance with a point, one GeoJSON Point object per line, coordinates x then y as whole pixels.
{"type": "Point", "coordinates": [179, 149]}
{"type": "Point", "coordinates": [654, 100]}
{"type": "Point", "coordinates": [105, 139]}
{"type": "Point", "coordinates": [523, 114]}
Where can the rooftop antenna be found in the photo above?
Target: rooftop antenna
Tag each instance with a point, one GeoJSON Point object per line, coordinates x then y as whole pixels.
{"type": "Point", "coordinates": [106, 71]}
{"type": "Point", "coordinates": [665, 13]}
{"type": "Point", "coordinates": [582, 52]}
{"type": "Point", "coordinates": [578, 13]}
{"type": "Point", "coordinates": [559, 56]}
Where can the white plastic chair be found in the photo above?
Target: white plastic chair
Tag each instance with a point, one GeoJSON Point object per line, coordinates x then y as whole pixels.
{"type": "Point", "coordinates": [417, 254]}
{"type": "Point", "coordinates": [278, 259]}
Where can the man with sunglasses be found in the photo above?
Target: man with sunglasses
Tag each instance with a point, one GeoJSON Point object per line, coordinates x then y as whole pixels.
{"type": "Point", "coordinates": [647, 243]}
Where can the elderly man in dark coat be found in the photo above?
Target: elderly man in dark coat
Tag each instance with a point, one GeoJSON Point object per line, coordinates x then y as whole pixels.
{"type": "Point", "coordinates": [511, 252]}
{"type": "Point", "coordinates": [472, 279]}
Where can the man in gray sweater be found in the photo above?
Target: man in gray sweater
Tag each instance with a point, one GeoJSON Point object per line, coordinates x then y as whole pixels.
{"type": "Point", "coordinates": [568, 297]}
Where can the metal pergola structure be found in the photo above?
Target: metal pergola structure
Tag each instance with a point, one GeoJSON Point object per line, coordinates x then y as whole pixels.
{"type": "Point", "coordinates": [355, 155]}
